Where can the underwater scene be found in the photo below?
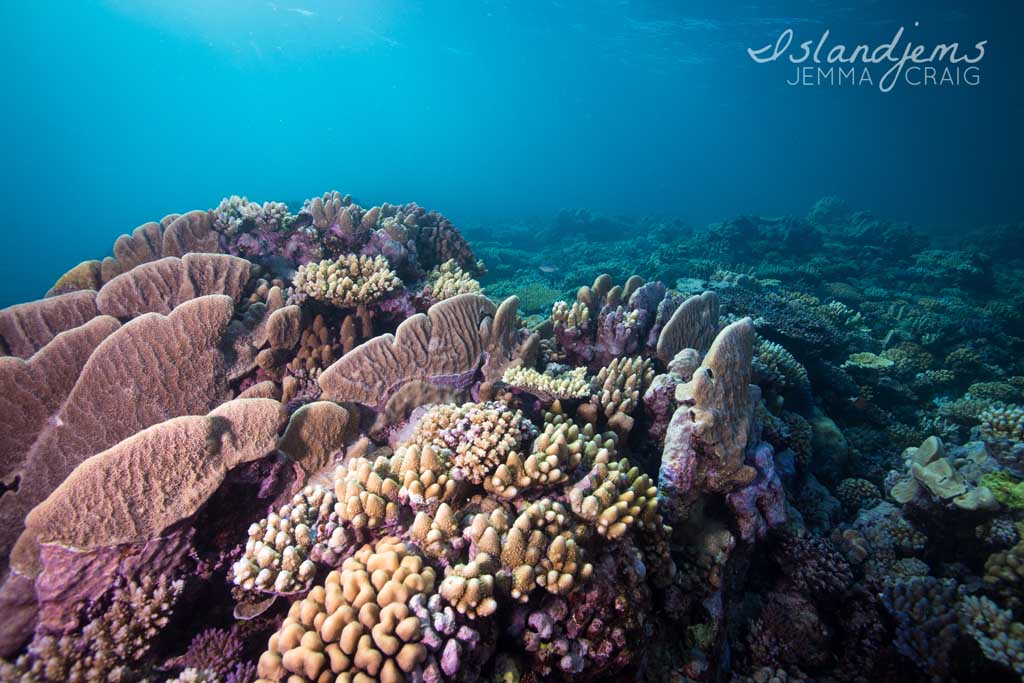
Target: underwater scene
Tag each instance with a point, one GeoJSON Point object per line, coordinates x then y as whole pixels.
{"type": "Point", "coordinates": [511, 342]}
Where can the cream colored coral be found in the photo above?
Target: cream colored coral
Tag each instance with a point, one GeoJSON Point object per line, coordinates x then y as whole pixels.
{"type": "Point", "coordinates": [469, 587]}
{"type": "Point", "coordinates": [348, 281]}
{"type": "Point", "coordinates": [479, 436]}
{"type": "Point", "coordinates": [434, 533]}
{"type": "Point", "coordinates": [358, 626]}
{"type": "Point", "coordinates": [614, 497]}
{"type": "Point", "coordinates": [597, 446]}
{"type": "Point", "coordinates": [571, 384]}
{"type": "Point", "coordinates": [538, 549]}
{"type": "Point", "coordinates": [557, 452]}
{"type": "Point", "coordinates": [277, 553]}
{"type": "Point", "coordinates": [448, 280]}
{"type": "Point", "coordinates": [366, 492]}
{"type": "Point", "coordinates": [619, 384]}
{"type": "Point", "coordinates": [570, 316]}
{"type": "Point", "coordinates": [423, 474]}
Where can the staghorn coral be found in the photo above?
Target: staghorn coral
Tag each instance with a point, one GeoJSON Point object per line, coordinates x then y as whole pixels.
{"type": "Point", "coordinates": [277, 553]}
{"type": "Point", "coordinates": [348, 282]}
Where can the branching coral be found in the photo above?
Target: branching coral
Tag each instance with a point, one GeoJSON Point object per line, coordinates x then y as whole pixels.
{"type": "Point", "coordinates": [277, 552]}
{"type": "Point", "coordinates": [614, 496]}
{"type": "Point", "coordinates": [237, 214]}
{"type": "Point", "coordinates": [113, 639]}
{"type": "Point", "coordinates": [1003, 422]}
{"type": "Point", "coordinates": [448, 280]}
{"type": "Point", "coordinates": [536, 549]}
{"type": "Point", "coordinates": [998, 635]}
{"type": "Point", "coordinates": [927, 621]}
{"type": "Point", "coordinates": [480, 436]}
{"type": "Point", "coordinates": [569, 384]}
{"type": "Point", "coordinates": [618, 387]}
{"type": "Point", "coordinates": [348, 281]}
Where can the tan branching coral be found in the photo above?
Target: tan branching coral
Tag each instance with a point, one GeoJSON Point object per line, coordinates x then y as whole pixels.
{"type": "Point", "coordinates": [277, 553]}
{"type": "Point", "coordinates": [480, 436]}
{"type": "Point", "coordinates": [448, 280]}
{"type": "Point", "coordinates": [469, 587]}
{"type": "Point", "coordinates": [538, 549]}
{"type": "Point", "coordinates": [434, 533]}
{"type": "Point", "coordinates": [423, 474]}
{"type": "Point", "coordinates": [348, 281]}
{"type": "Point", "coordinates": [557, 452]}
{"type": "Point", "coordinates": [359, 625]}
{"type": "Point", "coordinates": [572, 316]}
{"type": "Point", "coordinates": [618, 387]}
{"type": "Point", "coordinates": [367, 493]}
{"type": "Point", "coordinates": [616, 496]}
{"type": "Point", "coordinates": [570, 384]}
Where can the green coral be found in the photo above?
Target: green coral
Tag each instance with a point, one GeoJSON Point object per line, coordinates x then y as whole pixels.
{"type": "Point", "coordinates": [1007, 489]}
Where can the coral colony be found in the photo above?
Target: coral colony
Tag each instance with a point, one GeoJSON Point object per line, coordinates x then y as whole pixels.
{"type": "Point", "coordinates": [257, 445]}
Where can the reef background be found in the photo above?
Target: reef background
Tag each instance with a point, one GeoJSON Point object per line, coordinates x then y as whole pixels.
{"type": "Point", "coordinates": [121, 111]}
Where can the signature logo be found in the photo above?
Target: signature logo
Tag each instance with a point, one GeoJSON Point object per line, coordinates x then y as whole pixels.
{"type": "Point", "coordinates": [887, 64]}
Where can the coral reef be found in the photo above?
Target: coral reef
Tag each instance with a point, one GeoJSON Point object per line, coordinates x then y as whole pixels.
{"type": "Point", "coordinates": [262, 443]}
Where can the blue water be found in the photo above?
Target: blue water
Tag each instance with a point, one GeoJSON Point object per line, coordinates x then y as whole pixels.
{"type": "Point", "coordinates": [120, 112]}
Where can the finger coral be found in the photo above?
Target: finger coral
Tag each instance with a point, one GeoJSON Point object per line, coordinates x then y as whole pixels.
{"type": "Point", "coordinates": [359, 624]}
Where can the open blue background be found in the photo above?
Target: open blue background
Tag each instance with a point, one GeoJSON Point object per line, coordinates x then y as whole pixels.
{"type": "Point", "coordinates": [120, 112]}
